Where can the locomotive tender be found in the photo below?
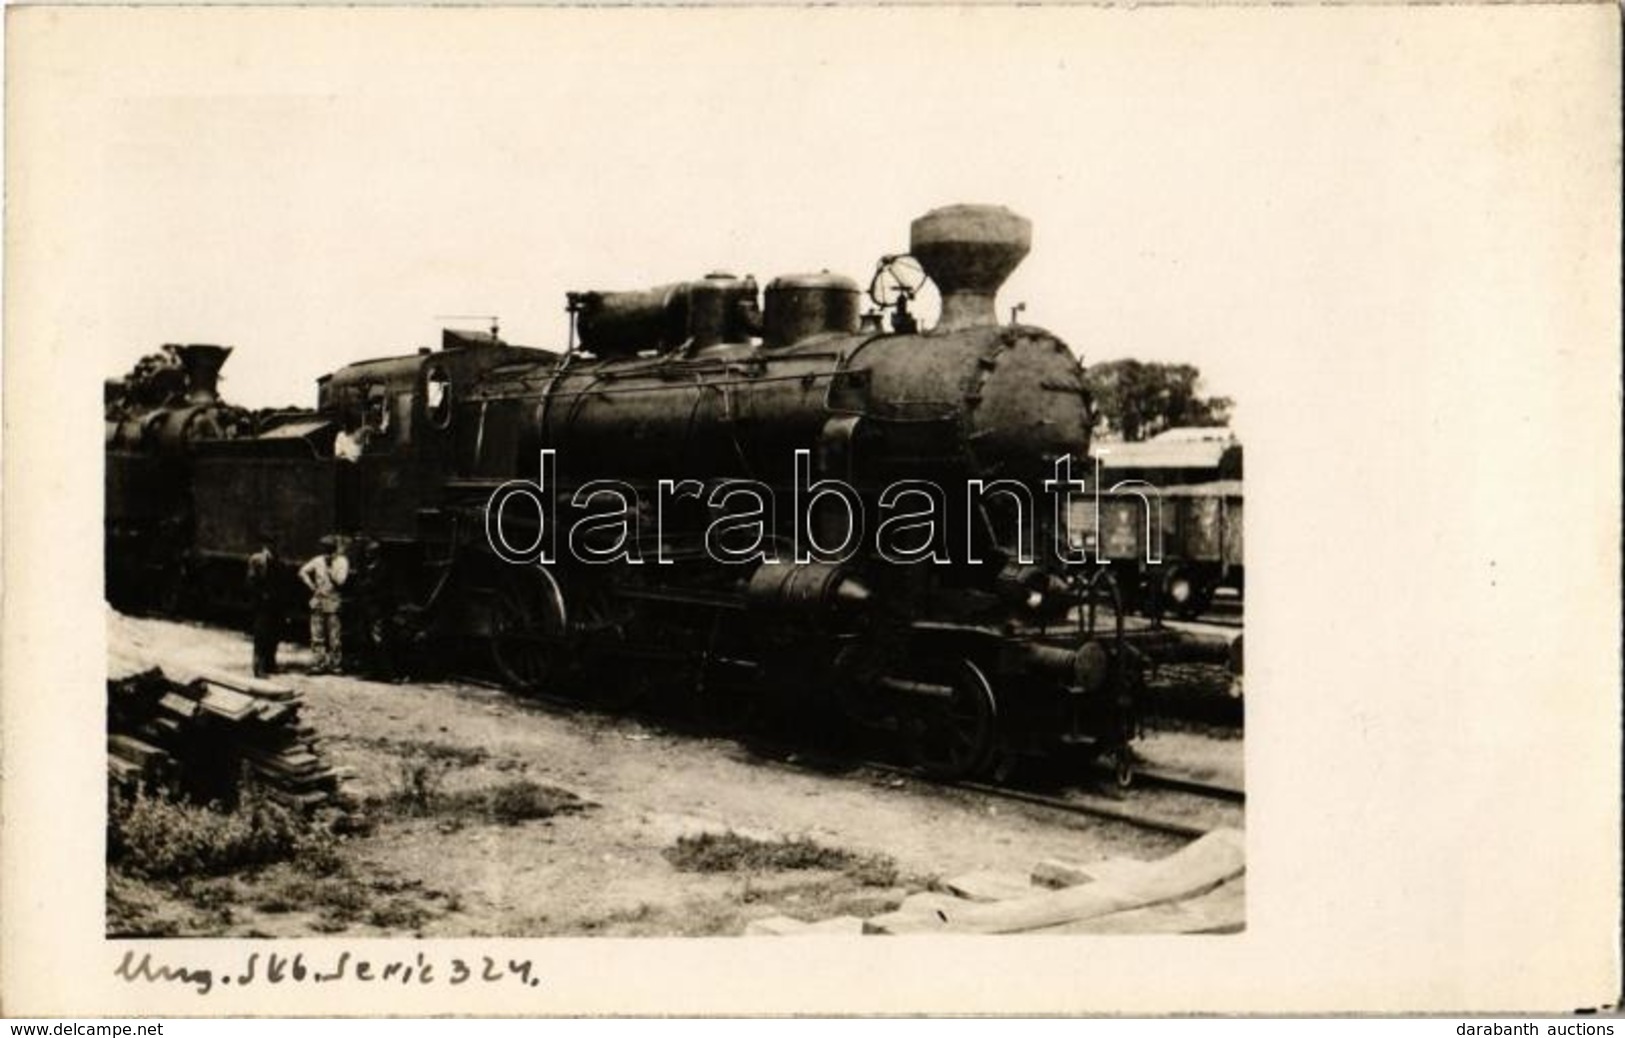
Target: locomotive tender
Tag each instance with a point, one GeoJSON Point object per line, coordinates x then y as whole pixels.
{"type": "Point", "coordinates": [742, 495]}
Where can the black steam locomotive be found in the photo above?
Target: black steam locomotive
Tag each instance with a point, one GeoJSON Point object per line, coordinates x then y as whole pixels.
{"type": "Point", "coordinates": [744, 495]}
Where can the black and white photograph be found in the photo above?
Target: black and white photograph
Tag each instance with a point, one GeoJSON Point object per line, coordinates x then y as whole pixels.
{"type": "Point", "coordinates": [804, 543]}
{"type": "Point", "coordinates": [649, 508]}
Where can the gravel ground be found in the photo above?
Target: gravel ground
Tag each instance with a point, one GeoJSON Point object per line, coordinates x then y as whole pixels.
{"type": "Point", "coordinates": [602, 869]}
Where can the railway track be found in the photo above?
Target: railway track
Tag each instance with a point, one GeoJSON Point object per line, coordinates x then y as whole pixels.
{"type": "Point", "coordinates": [1093, 807]}
{"type": "Point", "coordinates": [1073, 803]}
{"type": "Point", "coordinates": [1126, 808]}
{"type": "Point", "coordinates": [1167, 780]}
{"type": "Point", "coordinates": [1229, 623]}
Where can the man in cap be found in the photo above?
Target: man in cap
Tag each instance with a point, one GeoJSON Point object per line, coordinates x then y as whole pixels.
{"type": "Point", "coordinates": [265, 604]}
{"type": "Point", "coordinates": [375, 609]}
{"type": "Point", "coordinates": [325, 575]}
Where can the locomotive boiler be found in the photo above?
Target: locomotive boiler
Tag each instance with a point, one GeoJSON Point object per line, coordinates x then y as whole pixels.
{"type": "Point", "coordinates": [737, 495]}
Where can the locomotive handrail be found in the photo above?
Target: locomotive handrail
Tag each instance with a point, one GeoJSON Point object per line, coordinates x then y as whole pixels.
{"type": "Point", "coordinates": [754, 381]}
{"type": "Point", "coordinates": [1088, 589]}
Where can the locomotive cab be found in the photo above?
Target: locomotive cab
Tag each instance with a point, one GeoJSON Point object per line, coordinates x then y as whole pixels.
{"type": "Point", "coordinates": [419, 425]}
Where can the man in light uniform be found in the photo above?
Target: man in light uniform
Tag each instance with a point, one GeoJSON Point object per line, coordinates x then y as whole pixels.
{"type": "Point", "coordinates": [325, 576]}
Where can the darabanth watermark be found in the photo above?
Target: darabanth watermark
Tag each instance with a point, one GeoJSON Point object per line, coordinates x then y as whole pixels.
{"type": "Point", "coordinates": [604, 519]}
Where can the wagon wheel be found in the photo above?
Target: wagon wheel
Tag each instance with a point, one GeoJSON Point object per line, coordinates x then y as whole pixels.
{"type": "Point", "coordinates": [953, 737]}
{"type": "Point", "coordinates": [528, 624]}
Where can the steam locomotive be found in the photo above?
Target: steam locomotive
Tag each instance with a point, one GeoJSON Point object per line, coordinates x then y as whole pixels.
{"type": "Point", "coordinates": [744, 495]}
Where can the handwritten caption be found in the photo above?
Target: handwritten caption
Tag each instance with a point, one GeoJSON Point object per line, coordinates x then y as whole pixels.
{"type": "Point", "coordinates": [273, 969]}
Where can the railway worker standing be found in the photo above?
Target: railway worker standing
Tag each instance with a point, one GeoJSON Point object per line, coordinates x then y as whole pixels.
{"type": "Point", "coordinates": [325, 575]}
{"type": "Point", "coordinates": [376, 612]}
{"type": "Point", "coordinates": [262, 598]}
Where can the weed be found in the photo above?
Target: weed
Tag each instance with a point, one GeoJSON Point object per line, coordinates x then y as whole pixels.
{"type": "Point", "coordinates": [863, 905]}
{"type": "Point", "coordinates": [872, 870]}
{"type": "Point", "coordinates": [398, 915]}
{"type": "Point", "coordinates": [319, 855]}
{"type": "Point", "coordinates": [419, 794]}
{"type": "Point", "coordinates": [629, 920]}
{"type": "Point", "coordinates": [132, 911]}
{"type": "Point", "coordinates": [208, 894]}
{"type": "Point", "coordinates": [297, 890]}
{"type": "Point", "coordinates": [275, 903]}
{"type": "Point", "coordinates": [523, 800]}
{"type": "Point", "coordinates": [443, 753]}
{"type": "Point", "coordinates": [345, 898]}
{"type": "Point", "coordinates": [731, 852]}
{"type": "Point", "coordinates": [157, 838]}
{"type": "Point", "coordinates": [417, 787]}
{"type": "Point", "coordinates": [393, 884]}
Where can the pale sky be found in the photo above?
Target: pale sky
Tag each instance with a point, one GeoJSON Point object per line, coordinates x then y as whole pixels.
{"type": "Point", "coordinates": [314, 188]}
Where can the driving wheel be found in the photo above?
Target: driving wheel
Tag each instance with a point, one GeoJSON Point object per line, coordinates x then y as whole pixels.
{"type": "Point", "coordinates": [953, 736]}
{"type": "Point", "coordinates": [527, 629]}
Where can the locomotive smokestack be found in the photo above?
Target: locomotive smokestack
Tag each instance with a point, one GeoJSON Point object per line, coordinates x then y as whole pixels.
{"type": "Point", "coordinates": [202, 365]}
{"type": "Point", "coordinates": [969, 250]}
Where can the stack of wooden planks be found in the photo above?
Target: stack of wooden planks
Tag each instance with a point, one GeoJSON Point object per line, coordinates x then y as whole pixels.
{"type": "Point", "coordinates": [1198, 889]}
{"type": "Point", "coordinates": [204, 733]}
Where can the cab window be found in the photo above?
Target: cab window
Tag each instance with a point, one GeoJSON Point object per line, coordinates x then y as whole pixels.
{"type": "Point", "coordinates": [437, 397]}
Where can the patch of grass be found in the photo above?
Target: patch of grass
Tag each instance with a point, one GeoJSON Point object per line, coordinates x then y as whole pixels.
{"type": "Point", "coordinates": [419, 794]}
{"type": "Point", "coordinates": [417, 786]}
{"type": "Point", "coordinates": [340, 901]}
{"type": "Point", "coordinates": [209, 894]}
{"type": "Point", "coordinates": [442, 753]}
{"type": "Point", "coordinates": [338, 896]}
{"type": "Point", "coordinates": [213, 922]}
{"type": "Point", "coordinates": [182, 870]}
{"type": "Point", "coordinates": [731, 852]}
{"type": "Point", "coordinates": [394, 884]}
{"type": "Point", "coordinates": [523, 800]}
{"type": "Point", "coordinates": [345, 897]}
{"type": "Point", "coordinates": [694, 918]}
{"type": "Point", "coordinates": [864, 905]}
{"type": "Point", "coordinates": [638, 913]}
{"type": "Point", "coordinates": [275, 903]}
{"type": "Point", "coordinates": [873, 870]}
{"type": "Point", "coordinates": [398, 914]}
{"type": "Point", "coordinates": [153, 837]}
{"type": "Point", "coordinates": [132, 911]}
